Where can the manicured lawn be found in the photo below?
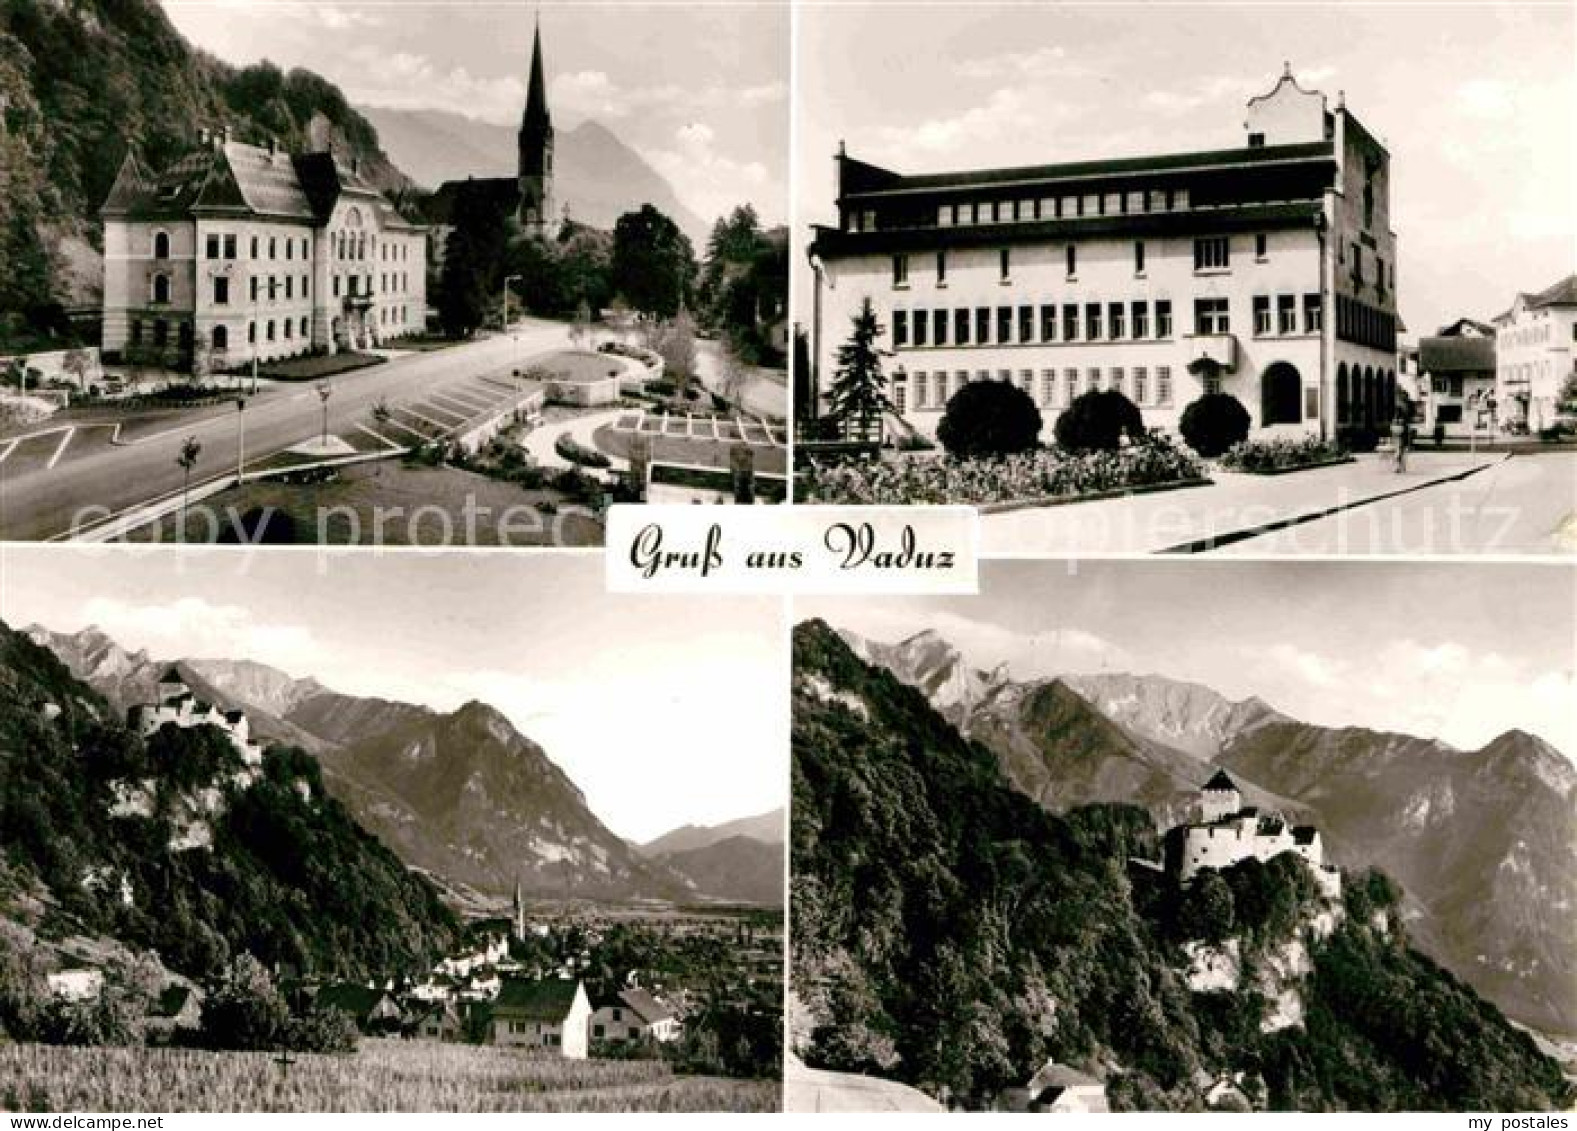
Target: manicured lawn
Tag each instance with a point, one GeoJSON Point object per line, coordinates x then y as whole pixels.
{"type": "Point", "coordinates": [392, 504]}
{"type": "Point", "coordinates": [677, 449]}
{"type": "Point", "coordinates": [579, 366]}
{"type": "Point", "coordinates": [314, 368]}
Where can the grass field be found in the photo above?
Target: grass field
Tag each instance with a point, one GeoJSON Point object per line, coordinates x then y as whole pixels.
{"type": "Point", "coordinates": [394, 505]}
{"type": "Point", "coordinates": [381, 1076]}
{"type": "Point", "coordinates": [678, 449]}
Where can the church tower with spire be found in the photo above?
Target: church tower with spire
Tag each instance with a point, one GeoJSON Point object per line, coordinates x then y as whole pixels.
{"type": "Point", "coordinates": [536, 150]}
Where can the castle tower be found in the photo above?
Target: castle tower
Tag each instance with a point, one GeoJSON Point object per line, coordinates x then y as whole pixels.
{"type": "Point", "coordinates": [171, 685]}
{"type": "Point", "coordinates": [536, 150]}
{"type": "Point", "coordinates": [1219, 798]}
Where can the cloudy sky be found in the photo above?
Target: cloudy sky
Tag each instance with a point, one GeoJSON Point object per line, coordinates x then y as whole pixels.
{"type": "Point", "coordinates": [701, 91]}
{"type": "Point", "coordinates": [1457, 652]}
{"type": "Point", "coordinates": [664, 710]}
{"type": "Point", "coordinates": [1477, 104]}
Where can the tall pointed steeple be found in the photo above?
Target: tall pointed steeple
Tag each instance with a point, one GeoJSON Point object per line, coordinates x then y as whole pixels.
{"type": "Point", "coordinates": [536, 148]}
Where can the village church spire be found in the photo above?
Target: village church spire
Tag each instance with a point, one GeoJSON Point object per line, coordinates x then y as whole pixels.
{"type": "Point", "coordinates": [536, 148]}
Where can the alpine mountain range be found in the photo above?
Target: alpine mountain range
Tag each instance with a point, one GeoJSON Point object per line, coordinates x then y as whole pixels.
{"type": "Point", "coordinates": [1480, 840]}
{"type": "Point", "coordinates": [461, 795]}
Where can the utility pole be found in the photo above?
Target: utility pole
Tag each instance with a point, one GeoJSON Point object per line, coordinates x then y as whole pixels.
{"type": "Point", "coordinates": [503, 314]}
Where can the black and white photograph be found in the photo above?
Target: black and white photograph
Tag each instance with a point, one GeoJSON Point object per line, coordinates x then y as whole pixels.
{"type": "Point", "coordinates": [388, 273]}
{"type": "Point", "coordinates": [1284, 279]}
{"type": "Point", "coordinates": [1173, 836]}
{"type": "Point", "coordinates": [434, 832]}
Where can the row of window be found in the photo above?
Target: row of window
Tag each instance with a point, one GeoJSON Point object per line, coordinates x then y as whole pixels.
{"type": "Point", "coordinates": [1530, 335]}
{"type": "Point", "coordinates": [269, 289]}
{"type": "Point", "coordinates": [287, 329]}
{"type": "Point", "coordinates": [932, 390]}
{"type": "Point", "coordinates": [1021, 210]}
{"type": "Point", "coordinates": [1363, 325]}
{"type": "Point", "coordinates": [1211, 254]}
{"type": "Point", "coordinates": [223, 245]}
{"type": "Point", "coordinates": [1284, 319]}
{"type": "Point", "coordinates": [1090, 322]}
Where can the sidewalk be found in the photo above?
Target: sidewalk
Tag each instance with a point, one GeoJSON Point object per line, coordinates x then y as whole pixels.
{"type": "Point", "coordinates": [1201, 517]}
{"type": "Point", "coordinates": [538, 443]}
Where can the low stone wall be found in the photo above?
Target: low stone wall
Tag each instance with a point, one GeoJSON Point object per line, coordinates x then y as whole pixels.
{"type": "Point", "coordinates": [480, 431]}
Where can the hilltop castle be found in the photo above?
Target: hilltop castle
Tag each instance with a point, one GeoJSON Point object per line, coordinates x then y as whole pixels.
{"type": "Point", "coordinates": [1228, 831]}
{"type": "Point", "coordinates": [177, 706]}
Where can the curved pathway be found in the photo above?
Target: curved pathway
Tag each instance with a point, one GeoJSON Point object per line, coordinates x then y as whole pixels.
{"type": "Point", "coordinates": [538, 443]}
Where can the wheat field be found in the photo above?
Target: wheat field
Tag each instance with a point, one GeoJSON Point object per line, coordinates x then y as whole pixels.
{"type": "Point", "coordinates": [382, 1075]}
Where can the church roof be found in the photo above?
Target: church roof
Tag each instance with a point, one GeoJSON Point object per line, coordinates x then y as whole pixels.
{"type": "Point", "coordinates": [502, 193]}
{"type": "Point", "coordinates": [1222, 780]}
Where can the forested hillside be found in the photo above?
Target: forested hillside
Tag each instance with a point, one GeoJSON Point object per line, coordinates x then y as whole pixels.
{"type": "Point", "coordinates": [950, 933]}
{"type": "Point", "coordinates": [173, 844]}
{"type": "Point", "coordinates": [83, 80]}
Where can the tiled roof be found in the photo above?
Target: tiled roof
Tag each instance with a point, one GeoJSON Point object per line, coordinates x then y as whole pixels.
{"type": "Point", "coordinates": [358, 1001]}
{"type": "Point", "coordinates": [645, 1006]}
{"type": "Point", "coordinates": [1563, 293]}
{"type": "Point", "coordinates": [1456, 355]}
{"type": "Point", "coordinates": [547, 1000]}
{"type": "Point", "coordinates": [1110, 167]}
{"type": "Point", "coordinates": [1054, 1075]}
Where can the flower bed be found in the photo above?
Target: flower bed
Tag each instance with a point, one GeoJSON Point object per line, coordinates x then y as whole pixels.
{"type": "Point", "coordinates": [567, 447]}
{"type": "Point", "coordinates": [1270, 457]}
{"type": "Point", "coordinates": [1045, 474]}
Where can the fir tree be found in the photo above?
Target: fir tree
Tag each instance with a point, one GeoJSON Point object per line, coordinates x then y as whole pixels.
{"type": "Point", "coordinates": [858, 396]}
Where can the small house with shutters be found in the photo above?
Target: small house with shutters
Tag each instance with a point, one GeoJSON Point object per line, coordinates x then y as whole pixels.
{"type": "Point", "coordinates": [553, 1014]}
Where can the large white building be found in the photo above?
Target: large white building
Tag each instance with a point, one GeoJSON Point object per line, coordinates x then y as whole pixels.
{"type": "Point", "coordinates": [238, 251]}
{"type": "Point", "coordinates": [1535, 354]}
{"type": "Point", "coordinates": [1267, 272]}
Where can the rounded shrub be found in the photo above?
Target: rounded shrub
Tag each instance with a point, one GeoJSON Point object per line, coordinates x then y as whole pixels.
{"type": "Point", "coordinates": [1215, 422]}
{"type": "Point", "coordinates": [1357, 438]}
{"type": "Point", "coordinates": [1097, 421]}
{"type": "Point", "coordinates": [989, 418]}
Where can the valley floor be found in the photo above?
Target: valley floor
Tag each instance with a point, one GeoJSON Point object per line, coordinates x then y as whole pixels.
{"type": "Point", "coordinates": [382, 1075]}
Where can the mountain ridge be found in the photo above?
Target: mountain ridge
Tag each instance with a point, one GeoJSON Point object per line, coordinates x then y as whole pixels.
{"type": "Point", "coordinates": [594, 172]}
{"type": "Point", "coordinates": [1490, 890]}
{"type": "Point", "coordinates": [461, 794]}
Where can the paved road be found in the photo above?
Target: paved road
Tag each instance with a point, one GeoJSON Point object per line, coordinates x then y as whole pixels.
{"type": "Point", "coordinates": [1525, 505]}
{"type": "Point", "coordinates": [39, 501]}
{"type": "Point", "coordinates": [765, 391]}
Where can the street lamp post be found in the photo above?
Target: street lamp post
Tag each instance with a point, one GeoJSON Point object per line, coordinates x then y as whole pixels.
{"type": "Point", "coordinates": [324, 391]}
{"type": "Point", "coordinates": [504, 300]}
{"type": "Point", "coordinates": [240, 438]}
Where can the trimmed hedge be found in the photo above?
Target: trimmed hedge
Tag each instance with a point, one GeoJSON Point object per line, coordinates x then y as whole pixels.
{"type": "Point", "coordinates": [989, 418]}
{"type": "Point", "coordinates": [1097, 421]}
{"type": "Point", "coordinates": [1214, 424]}
{"type": "Point", "coordinates": [577, 453]}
